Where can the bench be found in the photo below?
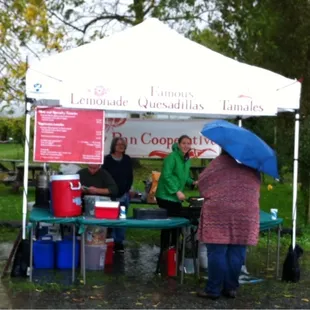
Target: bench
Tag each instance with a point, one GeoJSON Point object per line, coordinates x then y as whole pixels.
{"type": "Point", "coordinates": [16, 180]}
{"type": "Point", "coordinates": [13, 163]}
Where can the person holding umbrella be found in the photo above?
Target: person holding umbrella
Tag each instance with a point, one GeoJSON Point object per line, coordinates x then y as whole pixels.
{"type": "Point", "coordinates": [229, 219]}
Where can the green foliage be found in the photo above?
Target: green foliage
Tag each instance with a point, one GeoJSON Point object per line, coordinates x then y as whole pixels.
{"type": "Point", "coordinates": [274, 35]}
{"type": "Point", "coordinates": [23, 24]}
{"type": "Point", "coordinates": [14, 128]}
{"type": "Point", "coordinates": [46, 26]}
{"type": "Point", "coordinates": [71, 15]}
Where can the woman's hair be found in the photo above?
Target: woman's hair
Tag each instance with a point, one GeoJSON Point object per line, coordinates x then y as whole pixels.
{"type": "Point", "coordinates": [183, 137]}
{"type": "Point", "coordinates": [114, 142]}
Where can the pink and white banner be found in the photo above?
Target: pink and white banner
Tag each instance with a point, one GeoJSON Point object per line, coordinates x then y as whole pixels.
{"type": "Point", "coordinates": [154, 138]}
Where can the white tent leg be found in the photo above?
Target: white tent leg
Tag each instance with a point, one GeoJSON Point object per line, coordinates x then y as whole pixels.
{"type": "Point", "coordinates": [295, 179]}
{"type": "Point", "coordinates": [26, 164]}
{"type": "Point", "coordinates": [240, 122]}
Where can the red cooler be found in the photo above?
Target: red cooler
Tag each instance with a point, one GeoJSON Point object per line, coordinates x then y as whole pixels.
{"type": "Point", "coordinates": [66, 195]}
{"type": "Point", "coordinates": [107, 210]}
{"type": "Point", "coordinates": [171, 262]}
{"type": "Point", "coordinates": [109, 253]}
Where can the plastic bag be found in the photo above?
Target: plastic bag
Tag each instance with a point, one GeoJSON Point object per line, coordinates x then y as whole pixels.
{"type": "Point", "coordinates": [203, 256]}
{"type": "Point", "coordinates": [155, 178]}
{"type": "Point", "coordinates": [69, 169]}
{"type": "Point", "coordinates": [21, 259]}
{"type": "Point", "coordinates": [96, 235]}
{"type": "Point", "coordinates": [151, 195]}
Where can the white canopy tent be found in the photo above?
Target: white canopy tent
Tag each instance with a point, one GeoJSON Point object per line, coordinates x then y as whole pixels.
{"type": "Point", "coordinates": [152, 68]}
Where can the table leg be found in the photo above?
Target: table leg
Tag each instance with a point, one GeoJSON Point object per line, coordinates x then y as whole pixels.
{"type": "Point", "coordinates": [193, 246]}
{"type": "Point", "coordinates": [278, 250]}
{"type": "Point", "coordinates": [31, 253]}
{"type": "Point", "coordinates": [268, 248]}
{"type": "Point", "coordinates": [83, 253]}
{"type": "Point", "coordinates": [198, 259]}
{"type": "Point", "coordinates": [177, 251]}
{"type": "Point", "coordinates": [159, 260]}
{"type": "Point", "coordinates": [73, 252]}
{"type": "Point", "coordinates": [183, 255]}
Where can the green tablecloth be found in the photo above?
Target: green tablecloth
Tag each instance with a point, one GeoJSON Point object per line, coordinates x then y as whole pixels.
{"type": "Point", "coordinates": [133, 223]}
{"type": "Point", "coordinates": [267, 223]}
{"type": "Point", "coordinates": [44, 215]}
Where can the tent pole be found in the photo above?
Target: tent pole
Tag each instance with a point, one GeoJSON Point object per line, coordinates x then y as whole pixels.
{"type": "Point", "coordinates": [295, 178]}
{"type": "Point", "coordinates": [240, 122]}
{"type": "Point", "coordinates": [26, 165]}
{"type": "Point", "coordinates": [26, 159]}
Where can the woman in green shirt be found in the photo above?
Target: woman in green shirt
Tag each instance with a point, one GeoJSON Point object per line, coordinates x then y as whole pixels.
{"type": "Point", "coordinates": [175, 175]}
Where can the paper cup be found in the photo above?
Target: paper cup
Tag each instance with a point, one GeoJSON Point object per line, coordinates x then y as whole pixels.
{"type": "Point", "coordinates": [274, 214]}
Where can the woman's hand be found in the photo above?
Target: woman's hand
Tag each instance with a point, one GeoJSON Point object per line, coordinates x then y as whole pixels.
{"type": "Point", "coordinates": [92, 190]}
{"type": "Point", "coordinates": [195, 183]}
{"type": "Point", "coordinates": [181, 196]}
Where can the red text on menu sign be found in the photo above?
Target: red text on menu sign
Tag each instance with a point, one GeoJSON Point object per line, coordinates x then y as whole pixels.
{"type": "Point", "coordinates": [69, 136]}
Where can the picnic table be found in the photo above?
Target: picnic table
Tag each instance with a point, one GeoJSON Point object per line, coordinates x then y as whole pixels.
{"type": "Point", "coordinates": [16, 180]}
{"type": "Point", "coordinates": [12, 162]}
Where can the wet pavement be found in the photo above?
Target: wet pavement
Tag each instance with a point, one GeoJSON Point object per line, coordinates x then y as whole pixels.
{"type": "Point", "coordinates": [131, 283]}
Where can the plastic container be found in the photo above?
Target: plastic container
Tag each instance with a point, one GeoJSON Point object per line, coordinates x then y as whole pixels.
{"type": "Point", "coordinates": [89, 202]}
{"type": "Point", "coordinates": [107, 210]}
{"type": "Point", "coordinates": [189, 265]}
{"type": "Point", "coordinates": [203, 256]}
{"type": "Point", "coordinates": [66, 195]}
{"type": "Point", "coordinates": [64, 253]}
{"type": "Point", "coordinates": [44, 253]}
{"type": "Point", "coordinates": [171, 262]}
{"type": "Point", "coordinates": [110, 251]}
{"type": "Point", "coordinates": [30, 205]}
{"type": "Point", "coordinates": [95, 257]}
{"type": "Point", "coordinates": [148, 214]}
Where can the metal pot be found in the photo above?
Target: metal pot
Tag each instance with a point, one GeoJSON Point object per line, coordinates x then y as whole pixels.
{"type": "Point", "coordinates": [42, 192]}
{"type": "Point", "coordinates": [42, 181]}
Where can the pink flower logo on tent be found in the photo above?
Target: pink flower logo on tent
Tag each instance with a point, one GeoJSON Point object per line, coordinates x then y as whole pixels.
{"type": "Point", "coordinates": [194, 153]}
{"type": "Point", "coordinates": [244, 96]}
{"type": "Point", "coordinates": [100, 91]}
{"type": "Point", "coordinates": [111, 123]}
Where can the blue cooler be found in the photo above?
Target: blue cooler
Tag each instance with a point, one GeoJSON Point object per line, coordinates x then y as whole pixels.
{"type": "Point", "coordinates": [44, 253]}
{"type": "Point", "coordinates": [64, 253]}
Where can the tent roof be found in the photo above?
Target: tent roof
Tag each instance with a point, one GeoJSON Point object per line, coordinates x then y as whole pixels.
{"type": "Point", "coordinates": [152, 68]}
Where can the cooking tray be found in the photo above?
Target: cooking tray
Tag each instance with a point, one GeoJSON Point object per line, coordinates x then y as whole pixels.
{"type": "Point", "coordinates": [149, 214]}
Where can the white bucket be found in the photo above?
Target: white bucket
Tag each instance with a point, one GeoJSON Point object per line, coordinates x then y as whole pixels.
{"type": "Point", "coordinates": [203, 256]}
{"type": "Point", "coordinates": [95, 257]}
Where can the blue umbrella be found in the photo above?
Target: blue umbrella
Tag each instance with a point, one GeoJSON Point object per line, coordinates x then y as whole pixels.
{"type": "Point", "coordinates": [243, 145]}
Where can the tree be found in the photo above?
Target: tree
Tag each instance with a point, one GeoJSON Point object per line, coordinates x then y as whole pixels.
{"type": "Point", "coordinates": [274, 35]}
{"type": "Point", "coordinates": [24, 28]}
{"type": "Point", "coordinates": [39, 27]}
{"type": "Point", "coordinates": [91, 20]}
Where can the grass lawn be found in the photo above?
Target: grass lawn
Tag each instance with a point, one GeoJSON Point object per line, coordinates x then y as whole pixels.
{"type": "Point", "coordinates": [11, 151]}
{"type": "Point", "coordinates": [279, 197]}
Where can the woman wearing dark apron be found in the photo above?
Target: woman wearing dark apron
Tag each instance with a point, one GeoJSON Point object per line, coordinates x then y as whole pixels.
{"type": "Point", "coordinates": [118, 164]}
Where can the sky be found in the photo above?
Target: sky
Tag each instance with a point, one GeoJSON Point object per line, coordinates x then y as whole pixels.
{"type": "Point", "coordinates": [112, 27]}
